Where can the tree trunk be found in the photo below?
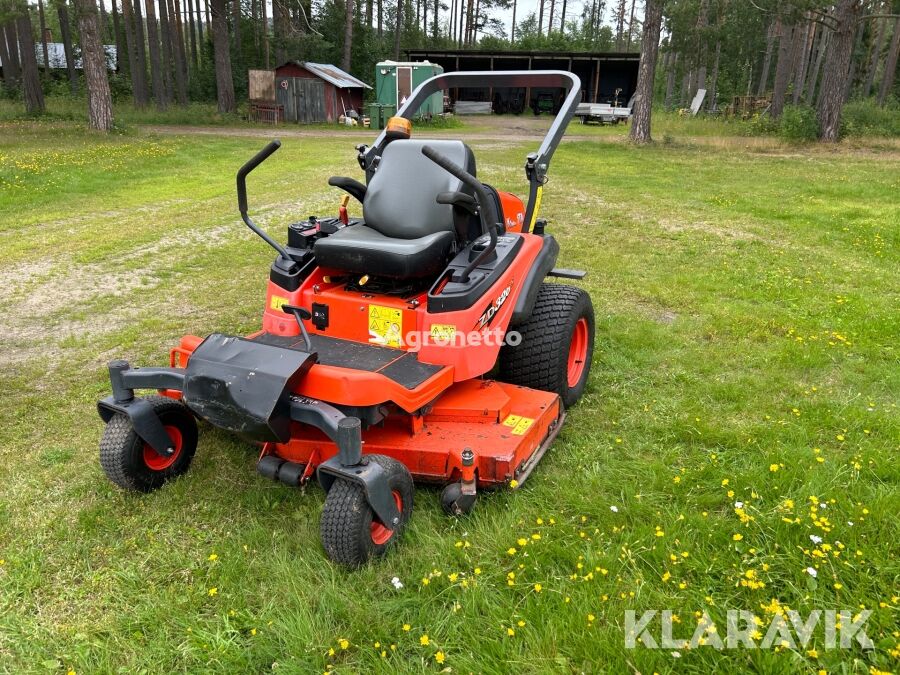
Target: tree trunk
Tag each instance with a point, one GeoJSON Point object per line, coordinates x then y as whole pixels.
{"type": "Point", "coordinates": [890, 66]}
{"type": "Point", "coordinates": [224, 83]}
{"type": "Point", "coordinates": [877, 46]}
{"type": "Point", "coordinates": [380, 20]}
{"type": "Point", "coordinates": [236, 26]}
{"type": "Point", "coordinates": [156, 73]}
{"type": "Point", "coordinates": [512, 32]}
{"type": "Point", "coordinates": [670, 80]}
{"type": "Point", "coordinates": [166, 38]}
{"type": "Point", "coordinates": [711, 95]}
{"type": "Point", "coordinates": [278, 22]}
{"type": "Point", "coordinates": [809, 35]}
{"type": "Point", "coordinates": [121, 49]}
{"type": "Point", "coordinates": [12, 49]}
{"type": "Point", "coordinates": [812, 77]}
{"type": "Point", "coordinates": [128, 23]}
{"type": "Point", "coordinates": [702, 23]}
{"type": "Point", "coordinates": [436, 13]}
{"type": "Point", "coordinates": [200, 30]}
{"type": "Point", "coordinates": [265, 29]}
{"type": "Point", "coordinates": [103, 25]}
{"type": "Point", "coordinates": [44, 48]}
{"type": "Point", "coordinates": [178, 54]}
{"type": "Point", "coordinates": [348, 35]}
{"type": "Point", "coordinates": [837, 65]}
{"type": "Point", "coordinates": [772, 31]}
{"type": "Point", "coordinates": [93, 59]}
{"type": "Point", "coordinates": [782, 71]}
{"type": "Point", "coordinates": [643, 98]}
{"type": "Point", "coordinates": [65, 31]}
{"type": "Point", "coordinates": [31, 78]}
{"type": "Point", "coordinates": [398, 27]}
{"type": "Point", "coordinates": [550, 17]}
{"type": "Point", "coordinates": [140, 47]}
{"type": "Point", "coordinates": [189, 4]}
{"type": "Point", "coordinates": [854, 60]}
{"type": "Point", "coordinates": [540, 17]}
{"type": "Point", "coordinates": [562, 18]}
{"type": "Point", "coordinates": [620, 24]}
{"type": "Point", "coordinates": [8, 80]}
{"type": "Point", "coordinates": [631, 24]}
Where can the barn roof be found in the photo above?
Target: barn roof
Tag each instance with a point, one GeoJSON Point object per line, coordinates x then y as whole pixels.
{"type": "Point", "coordinates": [332, 74]}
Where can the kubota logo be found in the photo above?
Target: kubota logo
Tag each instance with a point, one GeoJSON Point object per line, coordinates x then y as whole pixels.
{"type": "Point", "coordinates": [493, 308]}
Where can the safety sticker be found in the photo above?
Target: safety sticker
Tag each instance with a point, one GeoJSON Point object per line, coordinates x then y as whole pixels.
{"type": "Point", "coordinates": [442, 332]}
{"type": "Point", "coordinates": [277, 301]}
{"type": "Point", "coordinates": [518, 423]}
{"type": "Point", "coordinates": [385, 326]}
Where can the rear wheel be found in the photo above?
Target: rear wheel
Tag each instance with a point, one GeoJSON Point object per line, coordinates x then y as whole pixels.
{"type": "Point", "coordinates": [133, 464]}
{"type": "Point", "coordinates": [557, 344]}
{"type": "Point", "coordinates": [351, 532]}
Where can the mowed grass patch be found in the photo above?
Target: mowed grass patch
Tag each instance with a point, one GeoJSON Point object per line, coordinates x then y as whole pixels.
{"type": "Point", "coordinates": [746, 354]}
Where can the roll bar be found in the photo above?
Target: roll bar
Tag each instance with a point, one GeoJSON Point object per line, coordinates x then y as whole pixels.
{"type": "Point", "coordinates": [536, 163]}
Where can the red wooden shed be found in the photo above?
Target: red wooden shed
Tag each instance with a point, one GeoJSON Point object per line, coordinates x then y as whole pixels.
{"type": "Point", "coordinates": [316, 92]}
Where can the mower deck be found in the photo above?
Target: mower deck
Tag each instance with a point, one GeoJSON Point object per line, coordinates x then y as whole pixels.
{"type": "Point", "coordinates": [397, 365]}
{"type": "Point", "coordinates": [505, 426]}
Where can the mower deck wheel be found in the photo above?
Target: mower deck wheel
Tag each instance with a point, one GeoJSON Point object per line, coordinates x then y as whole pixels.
{"type": "Point", "coordinates": [351, 533]}
{"type": "Point", "coordinates": [557, 344]}
{"type": "Point", "coordinates": [454, 502]}
{"type": "Point", "coordinates": [132, 464]}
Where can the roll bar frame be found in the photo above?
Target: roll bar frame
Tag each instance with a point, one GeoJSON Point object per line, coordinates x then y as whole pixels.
{"type": "Point", "coordinates": [536, 163]}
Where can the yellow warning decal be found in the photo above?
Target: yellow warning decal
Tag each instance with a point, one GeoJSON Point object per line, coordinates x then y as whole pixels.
{"type": "Point", "coordinates": [519, 424]}
{"type": "Point", "coordinates": [537, 206]}
{"type": "Point", "coordinates": [277, 301]}
{"type": "Point", "coordinates": [385, 325]}
{"type": "Point", "coordinates": [442, 332]}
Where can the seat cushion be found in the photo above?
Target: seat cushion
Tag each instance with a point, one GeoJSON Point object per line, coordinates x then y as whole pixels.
{"type": "Point", "coordinates": [362, 250]}
{"type": "Point", "coordinates": [400, 198]}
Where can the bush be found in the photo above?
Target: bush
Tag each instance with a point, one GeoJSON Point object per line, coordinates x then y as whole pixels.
{"type": "Point", "coordinates": [798, 124]}
{"type": "Point", "coordinates": [864, 117]}
{"type": "Point", "coordinates": [761, 125]}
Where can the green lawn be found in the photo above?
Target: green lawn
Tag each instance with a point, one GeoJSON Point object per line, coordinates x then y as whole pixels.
{"type": "Point", "coordinates": [747, 351]}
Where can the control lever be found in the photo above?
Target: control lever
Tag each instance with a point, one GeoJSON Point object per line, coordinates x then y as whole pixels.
{"type": "Point", "coordinates": [301, 315]}
{"type": "Point", "coordinates": [460, 200]}
{"type": "Point", "coordinates": [261, 156]}
{"type": "Point", "coordinates": [487, 211]}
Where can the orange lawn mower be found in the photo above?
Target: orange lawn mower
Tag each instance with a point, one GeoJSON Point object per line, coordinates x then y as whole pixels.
{"type": "Point", "coordinates": [378, 336]}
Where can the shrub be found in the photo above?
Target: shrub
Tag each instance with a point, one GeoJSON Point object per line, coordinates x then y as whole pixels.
{"type": "Point", "coordinates": [798, 124]}
{"type": "Point", "coordinates": [761, 125]}
{"type": "Point", "coordinates": [864, 117]}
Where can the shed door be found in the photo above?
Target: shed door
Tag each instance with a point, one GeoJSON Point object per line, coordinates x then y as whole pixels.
{"type": "Point", "coordinates": [303, 99]}
{"type": "Point", "coordinates": [404, 84]}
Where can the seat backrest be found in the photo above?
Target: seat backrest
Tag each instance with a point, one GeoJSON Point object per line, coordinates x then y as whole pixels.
{"type": "Point", "coordinates": [400, 198]}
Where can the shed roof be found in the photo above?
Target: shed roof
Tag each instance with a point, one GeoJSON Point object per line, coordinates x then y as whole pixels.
{"type": "Point", "coordinates": [331, 74]}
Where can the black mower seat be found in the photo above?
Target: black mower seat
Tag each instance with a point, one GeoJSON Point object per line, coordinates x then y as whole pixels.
{"type": "Point", "coordinates": [406, 234]}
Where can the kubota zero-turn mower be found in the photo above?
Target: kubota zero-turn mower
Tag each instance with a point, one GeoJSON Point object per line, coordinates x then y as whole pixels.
{"type": "Point", "coordinates": [377, 334]}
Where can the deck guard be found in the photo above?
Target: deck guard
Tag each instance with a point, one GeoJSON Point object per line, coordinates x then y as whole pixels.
{"type": "Point", "coordinates": [243, 386]}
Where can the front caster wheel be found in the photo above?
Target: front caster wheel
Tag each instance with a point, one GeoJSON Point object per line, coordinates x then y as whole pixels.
{"type": "Point", "coordinates": [351, 532]}
{"type": "Point", "coordinates": [454, 502]}
{"type": "Point", "coordinates": [132, 464]}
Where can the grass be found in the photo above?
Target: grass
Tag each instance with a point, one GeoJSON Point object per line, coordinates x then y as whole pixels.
{"type": "Point", "coordinates": [746, 306]}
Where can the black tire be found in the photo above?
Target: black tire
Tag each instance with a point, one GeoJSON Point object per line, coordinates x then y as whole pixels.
{"type": "Point", "coordinates": [348, 527]}
{"type": "Point", "coordinates": [541, 359]}
{"type": "Point", "coordinates": [132, 464]}
{"type": "Point", "coordinates": [454, 502]}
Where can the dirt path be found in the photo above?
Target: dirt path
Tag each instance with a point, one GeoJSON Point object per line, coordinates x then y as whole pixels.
{"type": "Point", "coordinates": [511, 134]}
